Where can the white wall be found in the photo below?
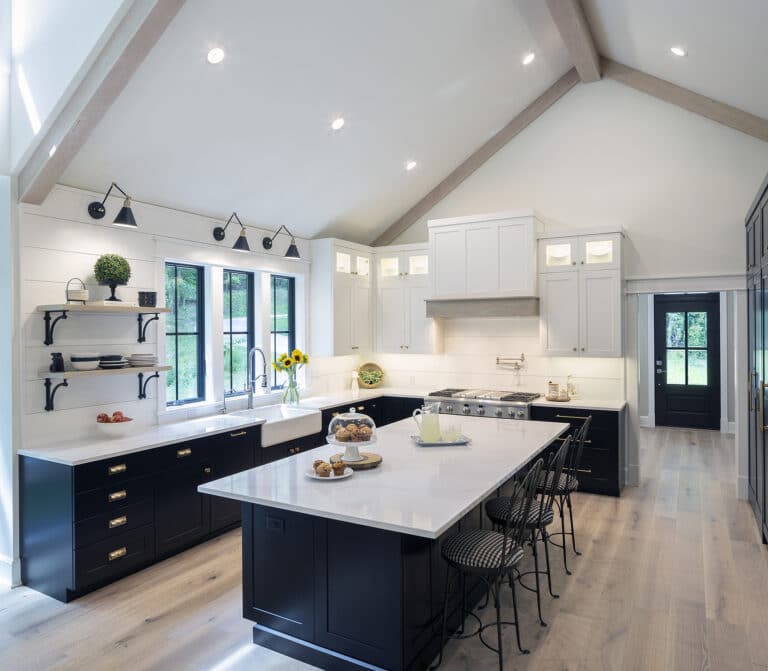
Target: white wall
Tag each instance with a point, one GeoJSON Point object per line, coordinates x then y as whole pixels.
{"type": "Point", "coordinates": [606, 155]}
{"type": "Point", "coordinates": [5, 86]}
{"type": "Point", "coordinates": [52, 40]}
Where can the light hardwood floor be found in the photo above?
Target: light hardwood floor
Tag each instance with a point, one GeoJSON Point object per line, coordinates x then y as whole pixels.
{"type": "Point", "coordinates": [673, 578]}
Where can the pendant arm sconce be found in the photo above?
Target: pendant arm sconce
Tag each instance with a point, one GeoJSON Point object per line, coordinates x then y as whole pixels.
{"type": "Point", "coordinates": [124, 217]}
{"type": "Point", "coordinates": [293, 250]}
{"type": "Point", "coordinates": [241, 244]}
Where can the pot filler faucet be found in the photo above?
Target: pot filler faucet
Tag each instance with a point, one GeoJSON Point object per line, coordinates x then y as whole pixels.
{"type": "Point", "coordinates": [252, 377]}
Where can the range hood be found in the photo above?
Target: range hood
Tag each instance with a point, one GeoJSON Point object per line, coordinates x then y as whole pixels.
{"type": "Point", "coordinates": [455, 308]}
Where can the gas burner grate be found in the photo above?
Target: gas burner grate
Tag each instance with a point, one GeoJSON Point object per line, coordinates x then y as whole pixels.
{"type": "Point", "coordinates": [445, 392]}
{"type": "Point", "coordinates": [524, 396]}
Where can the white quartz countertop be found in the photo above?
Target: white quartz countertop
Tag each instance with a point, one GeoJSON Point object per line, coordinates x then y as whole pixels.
{"type": "Point", "coordinates": [76, 452]}
{"type": "Point", "coordinates": [614, 405]}
{"type": "Point", "coordinates": [417, 490]}
{"type": "Point", "coordinates": [339, 398]}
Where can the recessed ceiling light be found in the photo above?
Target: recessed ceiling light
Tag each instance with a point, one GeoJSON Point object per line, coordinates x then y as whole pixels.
{"type": "Point", "coordinates": [215, 55]}
{"type": "Point", "coordinates": [337, 124]}
{"type": "Point", "coordinates": [678, 51]}
{"type": "Point", "coordinates": [528, 58]}
{"type": "Point", "coordinates": [52, 150]}
{"type": "Point", "coordinates": [410, 165]}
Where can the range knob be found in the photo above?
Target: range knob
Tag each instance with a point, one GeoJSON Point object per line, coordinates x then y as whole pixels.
{"type": "Point", "coordinates": [499, 412]}
{"type": "Point", "coordinates": [448, 408]}
{"type": "Point", "coordinates": [480, 410]}
{"type": "Point", "coordinates": [465, 410]}
{"type": "Point", "coordinates": [511, 412]}
{"type": "Point", "coordinates": [521, 414]}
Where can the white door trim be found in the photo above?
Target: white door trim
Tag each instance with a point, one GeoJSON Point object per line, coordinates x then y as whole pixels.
{"type": "Point", "coordinates": [651, 363]}
{"type": "Point", "coordinates": [724, 362]}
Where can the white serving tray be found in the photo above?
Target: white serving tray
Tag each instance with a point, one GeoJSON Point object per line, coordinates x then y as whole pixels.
{"type": "Point", "coordinates": [461, 441]}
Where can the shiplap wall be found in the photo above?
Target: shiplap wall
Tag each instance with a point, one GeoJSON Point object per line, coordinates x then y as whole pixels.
{"type": "Point", "coordinates": [58, 241]}
{"type": "Point", "coordinates": [469, 360]}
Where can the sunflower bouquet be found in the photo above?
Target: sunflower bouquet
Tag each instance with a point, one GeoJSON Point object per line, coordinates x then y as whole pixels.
{"type": "Point", "coordinates": [290, 364]}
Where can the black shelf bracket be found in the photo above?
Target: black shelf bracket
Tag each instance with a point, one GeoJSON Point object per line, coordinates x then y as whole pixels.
{"type": "Point", "coordinates": [143, 329]}
{"type": "Point", "coordinates": [143, 384]}
{"type": "Point", "coordinates": [50, 393]}
{"type": "Point", "coordinates": [50, 325]}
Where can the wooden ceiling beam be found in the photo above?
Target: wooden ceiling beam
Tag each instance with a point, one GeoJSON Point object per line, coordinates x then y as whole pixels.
{"type": "Point", "coordinates": [480, 156]}
{"type": "Point", "coordinates": [123, 52]}
{"type": "Point", "coordinates": [573, 26]}
{"type": "Point", "coordinates": [715, 110]}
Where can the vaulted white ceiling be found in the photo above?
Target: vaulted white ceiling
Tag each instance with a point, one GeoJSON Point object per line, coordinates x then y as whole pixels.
{"type": "Point", "coordinates": [428, 80]}
{"type": "Point", "coordinates": [725, 40]}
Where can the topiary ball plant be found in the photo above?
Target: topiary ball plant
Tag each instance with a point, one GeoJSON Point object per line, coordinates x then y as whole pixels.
{"type": "Point", "coordinates": [112, 269]}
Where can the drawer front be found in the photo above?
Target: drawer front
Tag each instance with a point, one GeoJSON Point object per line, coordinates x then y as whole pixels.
{"type": "Point", "coordinates": [113, 524]}
{"type": "Point", "coordinates": [107, 500]}
{"type": "Point", "coordinates": [601, 419]}
{"type": "Point", "coordinates": [106, 472]}
{"type": "Point", "coordinates": [109, 559]}
{"type": "Point", "coordinates": [184, 454]}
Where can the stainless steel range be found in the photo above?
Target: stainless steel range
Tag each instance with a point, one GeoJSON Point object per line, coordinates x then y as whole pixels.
{"type": "Point", "coordinates": [484, 402]}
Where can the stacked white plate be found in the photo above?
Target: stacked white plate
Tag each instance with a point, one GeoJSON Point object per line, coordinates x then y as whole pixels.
{"type": "Point", "coordinates": [138, 360]}
{"type": "Point", "coordinates": [117, 363]}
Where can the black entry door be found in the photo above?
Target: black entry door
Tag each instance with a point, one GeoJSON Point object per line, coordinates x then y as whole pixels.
{"type": "Point", "coordinates": [687, 357]}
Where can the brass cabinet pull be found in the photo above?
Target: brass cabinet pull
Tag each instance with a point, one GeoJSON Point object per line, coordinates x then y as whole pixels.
{"type": "Point", "coordinates": [117, 496]}
{"type": "Point", "coordinates": [117, 468]}
{"type": "Point", "coordinates": [116, 554]}
{"type": "Point", "coordinates": [237, 434]}
{"type": "Point", "coordinates": [118, 521]}
{"type": "Point", "coordinates": [583, 470]}
{"type": "Point", "coordinates": [571, 417]}
{"type": "Point", "coordinates": [562, 440]}
{"type": "Point", "coordinates": [183, 452]}
{"type": "Point", "coordinates": [361, 408]}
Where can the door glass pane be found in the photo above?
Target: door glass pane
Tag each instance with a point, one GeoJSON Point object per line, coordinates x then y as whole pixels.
{"type": "Point", "coordinates": [363, 265]}
{"type": "Point", "coordinates": [343, 263]}
{"type": "Point", "coordinates": [558, 255]}
{"type": "Point", "coordinates": [697, 367]}
{"type": "Point", "coordinates": [389, 266]}
{"type": "Point", "coordinates": [418, 264]}
{"type": "Point", "coordinates": [697, 329]}
{"type": "Point", "coordinates": [675, 366]}
{"type": "Point", "coordinates": [675, 330]}
{"type": "Point", "coordinates": [599, 251]}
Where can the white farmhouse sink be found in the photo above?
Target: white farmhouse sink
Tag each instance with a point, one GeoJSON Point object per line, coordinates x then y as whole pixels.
{"type": "Point", "coordinates": [283, 422]}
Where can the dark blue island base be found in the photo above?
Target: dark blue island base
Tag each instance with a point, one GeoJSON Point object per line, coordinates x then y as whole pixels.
{"type": "Point", "coordinates": [344, 596]}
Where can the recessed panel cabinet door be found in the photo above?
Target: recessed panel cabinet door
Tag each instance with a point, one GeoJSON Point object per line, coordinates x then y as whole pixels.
{"type": "Point", "coordinates": [517, 259]}
{"type": "Point", "coordinates": [391, 319]}
{"type": "Point", "coordinates": [560, 312]}
{"type": "Point", "coordinates": [482, 259]}
{"type": "Point", "coordinates": [449, 261]}
{"type": "Point", "coordinates": [600, 318]}
{"type": "Point", "coordinates": [342, 317]}
{"type": "Point", "coordinates": [182, 515]}
{"type": "Point", "coordinates": [419, 336]}
{"type": "Point", "coordinates": [360, 319]}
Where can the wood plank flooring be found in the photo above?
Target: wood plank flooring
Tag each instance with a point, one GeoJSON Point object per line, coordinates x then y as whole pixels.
{"type": "Point", "coordinates": [673, 578]}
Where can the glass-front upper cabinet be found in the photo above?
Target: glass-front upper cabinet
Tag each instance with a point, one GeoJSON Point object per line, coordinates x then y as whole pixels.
{"type": "Point", "coordinates": [591, 251]}
{"type": "Point", "coordinates": [352, 262]}
{"type": "Point", "coordinates": [402, 264]}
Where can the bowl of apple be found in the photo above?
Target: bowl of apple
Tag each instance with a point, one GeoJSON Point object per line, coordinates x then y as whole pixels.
{"type": "Point", "coordinates": [116, 425]}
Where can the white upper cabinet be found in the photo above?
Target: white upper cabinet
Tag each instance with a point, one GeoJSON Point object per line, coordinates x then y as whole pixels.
{"type": "Point", "coordinates": [581, 298]}
{"type": "Point", "coordinates": [484, 256]}
{"type": "Point", "coordinates": [341, 302]}
{"type": "Point", "coordinates": [402, 289]}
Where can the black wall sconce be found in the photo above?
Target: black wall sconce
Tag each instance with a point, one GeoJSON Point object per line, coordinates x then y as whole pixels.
{"type": "Point", "coordinates": [293, 250]}
{"type": "Point", "coordinates": [241, 244]}
{"type": "Point", "coordinates": [124, 217]}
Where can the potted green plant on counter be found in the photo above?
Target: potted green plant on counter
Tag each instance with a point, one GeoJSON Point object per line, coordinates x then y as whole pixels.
{"type": "Point", "coordinates": [112, 270]}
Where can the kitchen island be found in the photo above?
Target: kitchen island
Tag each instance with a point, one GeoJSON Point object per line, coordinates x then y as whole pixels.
{"type": "Point", "coordinates": [348, 574]}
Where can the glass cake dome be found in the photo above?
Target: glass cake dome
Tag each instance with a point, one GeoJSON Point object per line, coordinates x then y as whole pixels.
{"type": "Point", "coordinates": [351, 427]}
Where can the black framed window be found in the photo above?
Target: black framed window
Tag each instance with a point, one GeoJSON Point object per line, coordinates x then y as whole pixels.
{"type": "Point", "coordinates": [282, 317]}
{"type": "Point", "coordinates": [185, 333]}
{"type": "Point", "coordinates": [238, 329]}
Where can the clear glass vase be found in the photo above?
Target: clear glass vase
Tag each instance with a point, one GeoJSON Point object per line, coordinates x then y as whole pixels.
{"type": "Point", "coordinates": [291, 393]}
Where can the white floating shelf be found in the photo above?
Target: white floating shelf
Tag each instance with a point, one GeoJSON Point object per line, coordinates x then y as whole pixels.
{"type": "Point", "coordinates": [104, 371]}
{"type": "Point", "coordinates": [101, 309]}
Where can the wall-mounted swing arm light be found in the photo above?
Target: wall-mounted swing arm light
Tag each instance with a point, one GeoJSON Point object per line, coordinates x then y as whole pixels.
{"type": "Point", "coordinates": [241, 244]}
{"type": "Point", "coordinates": [124, 217]}
{"type": "Point", "coordinates": [292, 251]}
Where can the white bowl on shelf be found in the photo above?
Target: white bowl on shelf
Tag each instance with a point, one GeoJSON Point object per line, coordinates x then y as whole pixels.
{"type": "Point", "coordinates": [85, 365]}
{"type": "Point", "coordinates": [116, 429]}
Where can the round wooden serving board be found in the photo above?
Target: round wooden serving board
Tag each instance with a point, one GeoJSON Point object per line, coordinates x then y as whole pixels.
{"type": "Point", "coordinates": [371, 461]}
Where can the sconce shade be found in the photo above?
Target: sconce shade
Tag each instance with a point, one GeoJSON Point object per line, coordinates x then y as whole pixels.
{"type": "Point", "coordinates": [125, 216]}
{"type": "Point", "coordinates": [241, 244]}
{"type": "Point", "coordinates": [293, 250]}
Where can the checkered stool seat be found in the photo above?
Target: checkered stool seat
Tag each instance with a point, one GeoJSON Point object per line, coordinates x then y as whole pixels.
{"type": "Point", "coordinates": [498, 512]}
{"type": "Point", "coordinates": [565, 485]}
{"type": "Point", "coordinates": [481, 550]}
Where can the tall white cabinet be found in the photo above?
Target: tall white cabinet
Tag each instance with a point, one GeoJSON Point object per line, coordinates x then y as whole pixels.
{"type": "Point", "coordinates": [581, 299]}
{"type": "Point", "coordinates": [341, 298]}
{"type": "Point", "coordinates": [402, 288]}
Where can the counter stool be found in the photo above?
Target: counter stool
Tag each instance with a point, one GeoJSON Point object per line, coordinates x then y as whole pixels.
{"type": "Point", "coordinates": [540, 516]}
{"type": "Point", "coordinates": [492, 556]}
{"type": "Point", "coordinates": [567, 483]}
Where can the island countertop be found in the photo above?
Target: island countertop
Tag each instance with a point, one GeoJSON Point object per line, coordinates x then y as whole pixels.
{"type": "Point", "coordinates": [420, 491]}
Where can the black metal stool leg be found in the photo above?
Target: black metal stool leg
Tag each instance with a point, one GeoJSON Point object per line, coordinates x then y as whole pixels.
{"type": "Point", "coordinates": [534, 545]}
{"type": "Point", "coordinates": [564, 545]}
{"type": "Point", "coordinates": [517, 620]}
{"type": "Point", "coordinates": [573, 532]}
{"type": "Point", "coordinates": [545, 535]}
{"type": "Point", "coordinates": [497, 601]}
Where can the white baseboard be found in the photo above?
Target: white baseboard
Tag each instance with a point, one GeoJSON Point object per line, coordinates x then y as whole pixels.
{"type": "Point", "coordinates": [742, 487]}
{"type": "Point", "coordinates": [646, 421]}
{"type": "Point", "coordinates": [10, 572]}
{"type": "Point", "coordinates": [633, 475]}
{"type": "Point", "coordinates": [727, 427]}
{"type": "Point", "coordinates": [732, 428]}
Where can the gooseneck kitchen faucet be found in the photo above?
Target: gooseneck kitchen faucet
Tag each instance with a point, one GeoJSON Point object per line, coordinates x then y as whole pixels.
{"type": "Point", "coordinates": [252, 377]}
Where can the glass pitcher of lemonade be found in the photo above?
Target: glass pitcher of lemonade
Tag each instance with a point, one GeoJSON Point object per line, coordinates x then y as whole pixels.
{"type": "Point", "coordinates": [427, 418]}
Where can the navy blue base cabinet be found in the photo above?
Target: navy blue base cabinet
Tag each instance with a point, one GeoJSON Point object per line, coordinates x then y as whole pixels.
{"type": "Point", "coordinates": [85, 526]}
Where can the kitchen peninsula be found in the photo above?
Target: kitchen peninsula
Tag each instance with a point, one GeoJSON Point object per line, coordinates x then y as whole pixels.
{"type": "Point", "coordinates": [348, 574]}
